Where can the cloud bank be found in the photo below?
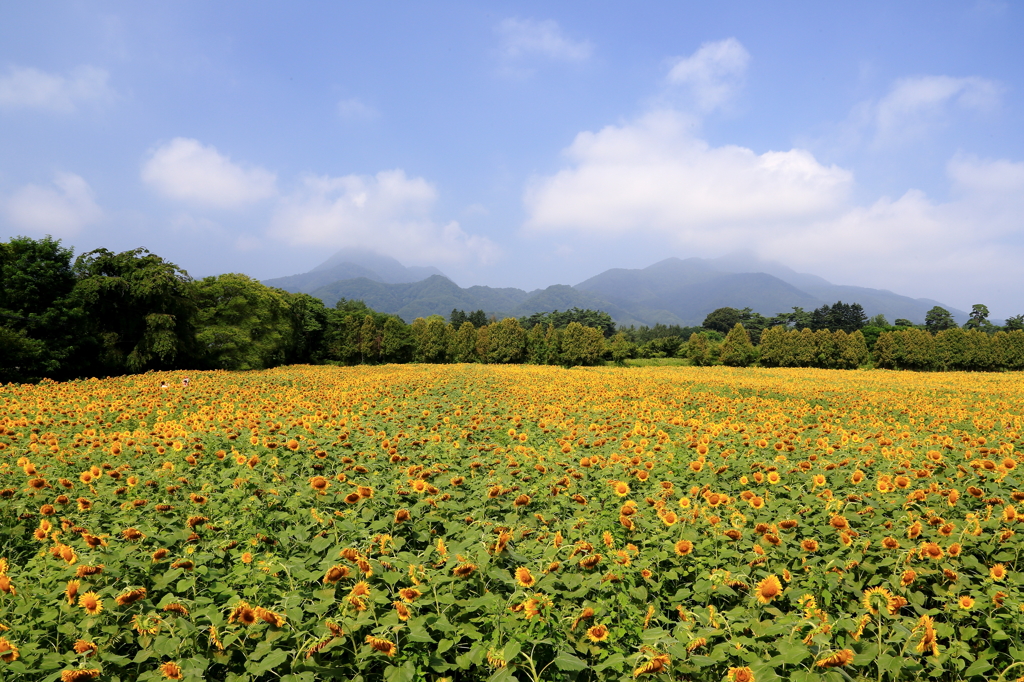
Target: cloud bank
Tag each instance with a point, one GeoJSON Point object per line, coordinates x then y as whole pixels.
{"type": "Point", "coordinates": [186, 170]}
{"type": "Point", "coordinates": [522, 40]}
{"type": "Point", "coordinates": [714, 73]}
{"type": "Point", "coordinates": [61, 209]}
{"type": "Point", "coordinates": [32, 89]}
{"type": "Point", "coordinates": [387, 212]}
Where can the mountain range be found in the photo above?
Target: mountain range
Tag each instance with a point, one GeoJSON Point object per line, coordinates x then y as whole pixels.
{"type": "Point", "coordinates": [671, 291]}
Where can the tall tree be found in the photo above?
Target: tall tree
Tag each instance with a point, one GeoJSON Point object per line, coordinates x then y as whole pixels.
{"type": "Point", "coordinates": [938, 319]}
{"type": "Point", "coordinates": [978, 318]}
{"type": "Point", "coordinates": [241, 324]}
{"type": "Point", "coordinates": [140, 307]}
{"type": "Point", "coordinates": [722, 319]}
{"type": "Point", "coordinates": [42, 326]}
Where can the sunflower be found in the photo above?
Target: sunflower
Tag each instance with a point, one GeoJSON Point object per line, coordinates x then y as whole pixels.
{"type": "Point", "coordinates": [131, 596]}
{"type": "Point", "coordinates": [524, 578]}
{"type": "Point", "coordinates": [409, 594]}
{"type": "Point", "coordinates": [684, 547]}
{"type": "Point", "coordinates": [336, 573]}
{"type": "Point", "coordinates": [871, 597]}
{"type": "Point", "coordinates": [464, 570]}
{"type": "Point", "coordinates": [597, 633]}
{"type": "Point", "coordinates": [384, 646]}
{"type": "Point", "coordinates": [242, 613]}
{"type": "Point", "coordinates": [809, 545]}
{"type": "Point", "coordinates": [621, 488]}
{"type": "Point", "coordinates": [8, 652]}
{"type": "Point", "coordinates": [84, 647]}
{"type": "Point", "coordinates": [669, 518]}
{"type": "Point", "coordinates": [402, 610]}
{"type": "Point", "coordinates": [743, 674]}
{"type": "Point", "coordinates": [657, 664]}
{"type": "Point", "coordinates": [908, 577]}
{"type": "Point", "coordinates": [965, 602]}
{"type": "Point", "coordinates": [79, 675]}
{"type": "Point", "coordinates": [71, 591]}
{"type": "Point", "coordinates": [838, 659]}
{"type": "Point", "coordinates": [91, 602]}
{"type": "Point", "coordinates": [768, 589]}
{"type": "Point", "coordinates": [171, 670]}
{"type": "Point", "coordinates": [997, 572]}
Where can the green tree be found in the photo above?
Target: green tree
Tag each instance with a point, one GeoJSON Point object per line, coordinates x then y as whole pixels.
{"type": "Point", "coordinates": [722, 319]}
{"type": "Point", "coordinates": [938, 319]}
{"type": "Point", "coordinates": [853, 349]}
{"type": "Point", "coordinates": [581, 345]}
{"type": "Point", "coordinates": [737, 349]}
{"type": "Point", "coordinates": [396, 340]}
{"type": "Point", "coordinates": [464, 343]}
{"type": "Point", "coordinates": [140, 308]}
{"type": "Point", "coordinates": [878, 321]}
{"type": "Point", "coordinates": [240, 323]}
{"type": "Point", "coordinates": [621, 348]}
{"type": "Point", "coordinates": [506, 342]}
{"type": "Point", "coordinates": [369, 340]}
{"type": "Point", "coordinates": [44, 329]}
{"type": "Point", "coordinates": [773, 346]}
{"type": "Point", "coordinates": [483, 334]}
{"type": "Point", "coordinates": [699, 350]}
{"type": "Point", "coordinates": [432, 339]}
{"type": "Point", "coordinates": [978, 318]}
{"type": "Point", "coordinates": [885, 351]}
{"type": "Point", "coordinates": [1014, 323]}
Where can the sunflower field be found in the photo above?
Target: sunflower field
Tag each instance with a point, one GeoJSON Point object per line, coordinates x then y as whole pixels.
{"type": "Point", "coordinates": [480, 522]}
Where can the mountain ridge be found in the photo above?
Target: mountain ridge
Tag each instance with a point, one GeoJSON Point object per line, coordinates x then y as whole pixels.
{"type": "Point", "coordinates": [670, 291]}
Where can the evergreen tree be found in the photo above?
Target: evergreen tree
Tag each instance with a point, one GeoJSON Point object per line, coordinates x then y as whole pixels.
{"type": "Point", "coordinates": [773, 346]}
{"type": "Point", "coordinates": [699, 350]}
{"type": "Point", "coordinates": [507, 342]}
{"type": "Point", "coordinates": [737, 349]}
{"type": "Point", "coordinates": [464, 343]}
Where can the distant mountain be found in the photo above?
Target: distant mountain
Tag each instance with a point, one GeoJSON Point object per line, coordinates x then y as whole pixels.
{"type": "Point", "coordinates": [352, 264]}
{"type": "Point", "coordinates": [672, 291]}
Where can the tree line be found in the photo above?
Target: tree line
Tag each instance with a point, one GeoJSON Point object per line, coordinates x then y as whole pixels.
{"type": "Point", "coordinates": [104, 313]}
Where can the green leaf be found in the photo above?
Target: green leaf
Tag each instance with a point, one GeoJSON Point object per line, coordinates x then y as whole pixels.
{"type": "Point", "coordinates": [792, 653]}
{"type": "Point", "coordinates": [979, 667]}
{"type": "Point", "coordinates": [510, 651]}
{"type": "Point", "coordinates": [566, 661]}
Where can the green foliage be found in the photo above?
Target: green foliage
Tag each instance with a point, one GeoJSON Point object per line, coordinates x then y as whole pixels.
{"type": "Point", "coordinates": [722, 319]}
{"type": "Point", "coordinates": [938, 319]}
{"type": "Point", "coordinates": [597, 319]}
{"type": "Point", "coordinates": [140, 310]}
{"type": "Point", "coordinates": [844, 316]}
{"type": "Point", "coordinates": [241, 324]}
{"type": "Point", "coordinates": [699, 350]}
{"type": "Point", "coordinates": [620, 348]}
{"type": "Point", "coordinates": [581, 345]}
{"type": "Point", "coordinates": [736, 349]}
{"type": "Point", "coordinates": [507, 342]}
{"type": "Point", "coordinates": [463, 347]}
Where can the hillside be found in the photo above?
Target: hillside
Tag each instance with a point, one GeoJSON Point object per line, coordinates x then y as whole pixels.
{"type": "Point", "coordinates": [671, 291]}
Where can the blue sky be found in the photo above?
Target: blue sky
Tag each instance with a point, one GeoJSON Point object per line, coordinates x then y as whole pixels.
{"type": "Point", "coordinates": [526, 144]}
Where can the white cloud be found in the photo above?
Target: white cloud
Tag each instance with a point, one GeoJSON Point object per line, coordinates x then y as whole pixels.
{"type": "Point", "coordinates": [356, 109]}
{"type": "Point", "coordinates": [523, 38]}
{"type": "Point", "coordinates": [61, 210]}
{"type": "Point", "coordinates": [650, 180]}
{"type": "Point", "coordinates": [961, 251]}
{"type": "Point", "coordinates": [185, 170]}
{"type": "Point", "coordinates": [915, 106]}
{"type": "Point", "coordinates": [29, 88]}
{"type": "Point", "coordinates": [714, 73]}
{"type": "Point", "coordinates": [388, 212]}
{"type": "Point", "coordinates": [652, 175]}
